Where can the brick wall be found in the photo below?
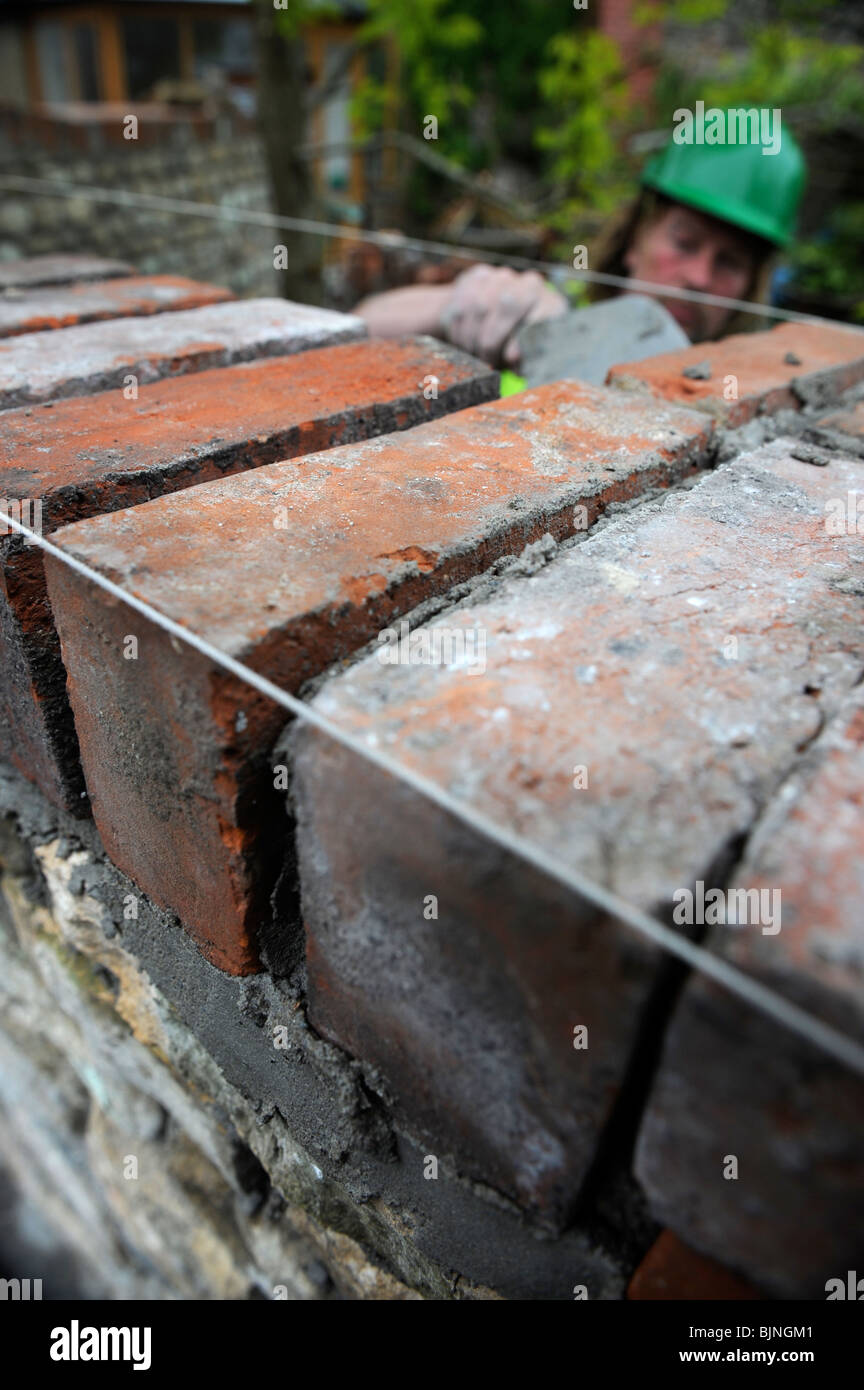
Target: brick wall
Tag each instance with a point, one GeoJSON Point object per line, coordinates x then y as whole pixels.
{"type": "Point", "coordinates": [356, 1043]}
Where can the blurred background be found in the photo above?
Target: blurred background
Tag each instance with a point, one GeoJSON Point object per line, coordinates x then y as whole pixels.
{"type": "Point", "coordinates": [514, 128]}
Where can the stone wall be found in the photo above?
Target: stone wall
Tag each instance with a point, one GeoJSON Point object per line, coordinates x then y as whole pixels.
{"type": "Point", "coordinates": [221, 164]}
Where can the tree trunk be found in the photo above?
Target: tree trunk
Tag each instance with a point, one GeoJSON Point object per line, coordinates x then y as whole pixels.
{"type": "Point", "coordinates": [282, 94]}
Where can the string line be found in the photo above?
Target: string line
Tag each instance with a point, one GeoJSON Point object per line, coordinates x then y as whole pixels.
{"type": "Point", "coordinates": [759, 996]}
{"type": "Point", "coordinates": [552, 270]}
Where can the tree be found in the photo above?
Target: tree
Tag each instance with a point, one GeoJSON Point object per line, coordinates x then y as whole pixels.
{"type": "Point", "coordinates": [282, 116]}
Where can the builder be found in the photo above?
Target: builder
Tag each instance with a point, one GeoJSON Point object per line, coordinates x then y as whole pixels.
{"type": "Point", "coordinates": [708, 218]}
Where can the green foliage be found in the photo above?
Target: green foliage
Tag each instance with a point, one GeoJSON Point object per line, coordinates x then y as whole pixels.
{"type": "Point", "coordinates": [291, 21]}
{"type": "Point", "coordinates": [789, 71]}
{"type": "Point", "coordinates": [686, 11]}
{"type": "Point", "coordinates": [832, 264]}
{"type": "Point", "coordinates": [786, 64]}
{"type": "Point", "coordinates": [432, 38]}
{"type": "Point", "coordinates": [460, 58]}
{"type": "Point", "coordinates": [797, 12]}
{"type": "Point", "coordinates": [586, 102]}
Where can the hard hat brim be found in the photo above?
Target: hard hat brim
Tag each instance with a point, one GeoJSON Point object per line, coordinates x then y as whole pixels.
{"type": "Point", "coordinates": [736, 215]}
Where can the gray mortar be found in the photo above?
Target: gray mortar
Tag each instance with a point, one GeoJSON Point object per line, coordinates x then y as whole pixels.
{"type": "Point", "coordinates": [835, 439]}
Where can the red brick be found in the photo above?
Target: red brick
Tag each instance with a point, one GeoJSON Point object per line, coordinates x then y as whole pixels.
{"type": "Point", "coordinates": [829, 360]}
{"type": "Point", "coordinates": [98, 356]}
{"type": "Point", "coordinates": [94, 454]}
{"type": "Point", "coordinates": [616, 657]}
{"type": "Point", "coordinates": [733, 1082]}
{"type": "Point", "coordinates": [671, 1270]}
{"type": "Point", "coordinates": [38, 309]}
{"type": "Point", "coordinates": [849, 421]}
{"type": "Point", "coordinates": [58, 270]}
{"type": "Point", "coordinates": [370, 530]}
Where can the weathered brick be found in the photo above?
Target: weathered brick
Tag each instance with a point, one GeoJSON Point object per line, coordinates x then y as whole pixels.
{"type": "Point", "coordinates": [59, 270]}
{"type": "Point", "coordinates": [850, 421]}
{"type": "Point", "coordinates": [39, 309]}
{"type": "Point", "coordinates": [291, 568]}
{"type": "Point", "coordinates": [733, 1083]}
{"type": "Point", "coordinates": [671, 1270]}
{"type": "Point", "coordinates": [88, 455]}
{"type": "Point", "coordinates": [754, 373]}
{"type": "Point", "coordinates": [674, 658]}
{"type": "Point", "coordinates": [99, 356]}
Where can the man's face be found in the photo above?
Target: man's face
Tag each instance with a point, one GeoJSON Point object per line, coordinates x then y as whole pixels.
{"type": "Point", "coordinates": [691, 251]}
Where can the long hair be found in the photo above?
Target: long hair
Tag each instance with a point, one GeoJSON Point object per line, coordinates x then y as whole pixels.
{"type": "Point", "coordinates": [608, 252]}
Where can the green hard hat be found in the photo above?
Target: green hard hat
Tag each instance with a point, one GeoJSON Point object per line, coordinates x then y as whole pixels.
{"type": "Point", "coordinates": [738, 183]}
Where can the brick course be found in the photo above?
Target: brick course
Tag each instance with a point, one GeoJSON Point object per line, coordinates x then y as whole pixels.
{"type": "Point", "coordinates": [617, 659]}
{"type": "Point", "coordinates": [752, 374]}
{"type": "Point", "coordinates": [40, 308]}
{"type": "Point", "coordinates": [88, 455]}
{"type": "Point", "coordinates": [98, 356]}
{"type": "Point", "coordinates": [367, 531]}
